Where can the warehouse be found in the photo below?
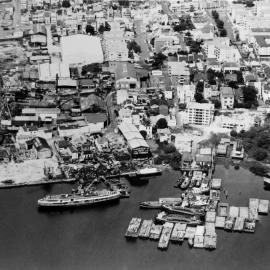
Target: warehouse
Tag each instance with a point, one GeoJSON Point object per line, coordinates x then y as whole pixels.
{"type": "Point", "coordinates": [138, 146]}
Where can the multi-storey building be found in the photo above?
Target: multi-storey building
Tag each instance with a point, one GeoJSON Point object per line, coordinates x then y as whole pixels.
{"type": "Point", "coordinates": [226, 97]}
{"type": "Point", "coordinates": [199, 113]}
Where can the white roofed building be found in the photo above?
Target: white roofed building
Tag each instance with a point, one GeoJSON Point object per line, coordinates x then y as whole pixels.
{"type": "Point", "coordinates": [79, 50]}
{"type": "Point", "coordinates": [47, 71]}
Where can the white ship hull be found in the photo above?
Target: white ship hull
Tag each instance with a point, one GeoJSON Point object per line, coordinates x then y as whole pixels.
{"type": "Point", "coordinates": [69, 200]}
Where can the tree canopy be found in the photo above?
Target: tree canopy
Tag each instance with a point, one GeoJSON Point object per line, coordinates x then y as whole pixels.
{"type": "Point", "coordinates": [90, 29]}
{"type": "Point", "coordinates": [250, 96]}
{"type": "Point", "coordinates": [162, 123]}
{"type": "Point", "coordinates": [66, 4]}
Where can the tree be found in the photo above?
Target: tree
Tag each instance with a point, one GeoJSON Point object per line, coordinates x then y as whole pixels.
{"type": "Point", "coordinates": [134, 46]}
{"type": "Point", "coordinates": [223, 33]}
{"type": "Point", "coordinates": [161, 123]}
{"type": "Point", "coordinates": [101, 29]}
{"type": "Point", "coordinates": [192, 9]}
{"type": "Point", "coordinates": [93, 68]}
{"type": "Point", "coordinates": [260, 154]}
{"type": "Point", "coordinates": [143, 133]}
{"type": "Point", "coordinates": [233, 133]}
{"type": "Point", "coordinates": [259, 170]}
{"type": "Point", "coordinates": [220, 24]}
{"type": "Point", "coordinates": [215, 15]}
{"type": "Point", "coordinates": [107, 26]}
{"type": "Point", "coordinates": [66, 4]}
{"type": "Point", "coordinates": [250, 96]}
{"type": "Point", "coordinates": [217, 103]}
{"type": "Point", "coordinates": [170, 148]}
{"type": "Point", "coordinates": [199, 97]}
{"type": "Point", "coordinates": [90, 29]}
{"type": "Point", "coordinates": [175, 162]}
{"type": "Point", "coordinates": [249, 4]}
{"type": "Point", "coordinates": [158, 60]}
{"type": "Point", "coordinates": [152, 42]}
{"type": "Point", "coordinates": [200, 86]}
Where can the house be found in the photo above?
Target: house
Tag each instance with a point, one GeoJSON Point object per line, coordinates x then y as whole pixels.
{"type": "Point", "coordinates": [125, 76]}
{"type": "Point", "coordinates": [42, 148]}
{"type": "Point", "coordinates": [66, 150]}
{"type": "Point", "coordinates": [164, 135]}
{"type": "Point", "coordinates": [96, 121]}
{"type": "Point", "coordinates": [262, 46]}
{"type": "Point", "coordinates": [226, 97]}
{"type": "Point", "coordinates": [28, 133]}
{"type": "Point", "coordinates": [179, 73]}
{"type": "Point", "coordinates": [38, 37]}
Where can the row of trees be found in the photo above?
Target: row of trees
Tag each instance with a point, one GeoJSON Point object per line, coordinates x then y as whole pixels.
{"type": "Point", "coordinates": [102, 28]}
{"type": "Point", "coordinates": [219, 23]}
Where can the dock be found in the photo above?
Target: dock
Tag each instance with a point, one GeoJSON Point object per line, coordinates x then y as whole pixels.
{"type": "Point", "coordinates": [165, 235]}
{"type": "Point", "coordinates": [239, 224]}
{"type": "Point", "coordinates": [178, 232]}
{"type": "Point", "coordinates": [263, 207]}
{"type": "Point", "coordinates": [145, 229]}
{"type": "Point", "coordinates": [155, 232]}
{"type": "Point", "coordinates": [133, 228]}
{"type": "Point", "coordinates": [199, 236]}
{"type": "Point", "coordinates": [220, 222]}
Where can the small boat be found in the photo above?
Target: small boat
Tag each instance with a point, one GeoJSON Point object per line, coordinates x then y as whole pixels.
{"type": "Point", "coordinates": [198, 182]}
{"type": "Point", "coordinates": [266, 182]}
{"type": "Point", "coordinates": [8, 181]}
{"type": "Point", "coordinates": [124, 193]}
{"type": "Point", "coordinates": [191, 242]}
{"type": "Point", "coordinates": [229, 223]}
{"type": "Point", "coordinates": [185, 183]}
{"type": "Point", "coordinates": [151, 205]}
{"type": "Point", "coordinates": [192, 182]}
{"type": "Point", "coordinates": [148, 172]}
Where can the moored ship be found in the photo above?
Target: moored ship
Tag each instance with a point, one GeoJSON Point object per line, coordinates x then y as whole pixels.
{"type": "Point", "coordinates": [75, 199]}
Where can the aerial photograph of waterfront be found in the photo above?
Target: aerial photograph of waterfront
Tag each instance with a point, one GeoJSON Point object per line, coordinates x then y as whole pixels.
{"type": "Point", "coordinates": [134, 134]}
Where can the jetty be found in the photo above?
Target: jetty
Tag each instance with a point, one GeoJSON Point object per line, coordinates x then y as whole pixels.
{"type": "Point", "coordinates": [155, 231]}
{"type": "Point", "coordinates": [263, 207]}
{"type": "Point", "coordinates": [145, 229]}
{"type": "Point", "coordinates": [133, 228]}
{"type": "Point", "coordinates": [178, 232]}
{"type": "Point", "coordinates": [165, 235]}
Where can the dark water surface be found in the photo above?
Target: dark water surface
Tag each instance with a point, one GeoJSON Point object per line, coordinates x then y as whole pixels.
{"type": "Point", "coordinates": [93, 238]}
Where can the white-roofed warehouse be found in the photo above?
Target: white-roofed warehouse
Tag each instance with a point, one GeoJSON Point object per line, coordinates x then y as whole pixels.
{"type": "Point", "coordinates": [81, 50]}
{"type": "Point", "coordinates": [138, 146]}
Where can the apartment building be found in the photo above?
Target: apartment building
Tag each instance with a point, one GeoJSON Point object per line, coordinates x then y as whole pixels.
{"type": "Point", "coordinates": [199, 113]}
{"type": "Point", "coordinates": [262, 47]}
{"type": "Point", "coordinates": [179, 7]}
{"type": "Point", "coordinates": [186, 92]}
{"type": "Point", "coordinates": [165, 41]}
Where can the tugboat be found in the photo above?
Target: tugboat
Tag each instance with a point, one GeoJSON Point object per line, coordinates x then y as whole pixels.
{"type": "Point", "coordinates": [79, 199]}
{"type": "Point", "coordinates": [174, 209]}
{"type": "Point", "coordinates": [151, 205]}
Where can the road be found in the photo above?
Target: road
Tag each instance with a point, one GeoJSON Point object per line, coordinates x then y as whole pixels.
{"type": "Point", "coordinates": [227, 25]}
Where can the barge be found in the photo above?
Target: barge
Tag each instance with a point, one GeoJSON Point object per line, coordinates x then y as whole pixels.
{"type": "Point", "coordinates": [165, 235]}
{"type": "Point", "coordinates": [133, 228]}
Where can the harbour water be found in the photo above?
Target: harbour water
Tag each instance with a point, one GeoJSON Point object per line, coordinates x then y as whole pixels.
{"type": "Point", "coordinates": [93, 238]}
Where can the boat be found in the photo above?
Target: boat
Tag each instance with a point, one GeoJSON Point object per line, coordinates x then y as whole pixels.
{"type": "Point", "coordinates": [191, 242]}
{"type": "Point", "coordinates": [151, 205]}
{"type": "Point", "coordinates": [223, 209]}
{"type": "Point", "coordinates": [163, 217]}
{"type": "Point", "coordinates": [229, 223]}
{"type": "Point", "coordinates": [155, 232]}
{"type": "Point", "coordinates": [145, 229]}
{"type": "Point", "coordinates": [148, 172]}
{"type": "Point", "coordinates": [175, 209]}
{"type": "Point", "coordinates": [185, 183]}
{"type": "Point", "coordinates": [79, 199]}
{"type": "Point", "coordinates": [266, 182]}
